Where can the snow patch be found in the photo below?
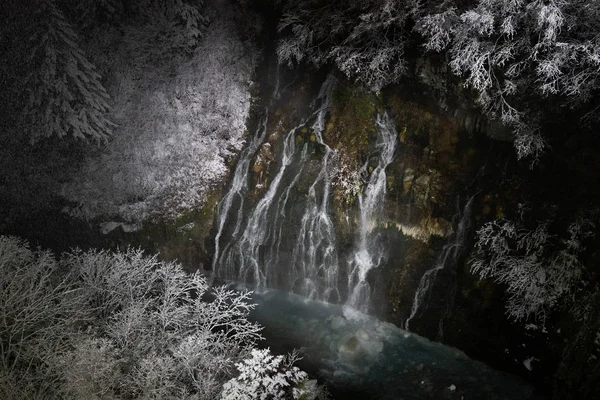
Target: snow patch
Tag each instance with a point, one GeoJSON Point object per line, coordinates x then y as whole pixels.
{"type": "Point", "coordinates": [186, 227]}
{"type": "Point", "coordinates": [107, 227]}
{"type": "Point", "coordinates": [527, 363]}
{"type": "Point", "coordinates": [532, 327]}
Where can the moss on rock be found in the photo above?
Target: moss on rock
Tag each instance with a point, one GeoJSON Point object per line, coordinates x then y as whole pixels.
{"type": "Point", "coordinates": [352, 122]}
{"type": "Point", "coordinates": [185, 239]}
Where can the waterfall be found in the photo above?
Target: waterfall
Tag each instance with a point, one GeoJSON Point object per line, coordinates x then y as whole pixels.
{"type": "Point", "coordinates": [239, 182]}
{"type": "Point", "coordinates": [315, 255]}
{"type": "Point", "coordinates": [252, 254]}
{"type": "Point", "coordinates": [238, 190]}
{"type": "Point", "coordinates": [449, 256]}
{"type": "Point", "coordinates": [368, 251]}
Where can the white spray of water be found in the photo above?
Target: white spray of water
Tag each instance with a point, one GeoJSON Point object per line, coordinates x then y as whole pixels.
{"type": "Point", "coordinates": [252, 254]}
{"type": "Point", "coordinates": [368, 253]}
{"type": "Point", "coordinates": [238, 190]}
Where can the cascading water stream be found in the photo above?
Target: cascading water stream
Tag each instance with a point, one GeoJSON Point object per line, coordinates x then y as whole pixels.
{"type": "Point", "coordinates": [282, 236]}
{"type": "Point", "coordinates": [247, 254]}
{"type": "Point", "coordinates": [253, 252]}
{"type": "Point", "coordinates": [368, 252]}
{"type": "Point", "coordinates": [315, 253]}
{"type": "Point", "coordinates": [449, 256]}
{"type": "Point", "coordinates": [238, 190]}
{"type": "Point", "coordinates": [239, 182]}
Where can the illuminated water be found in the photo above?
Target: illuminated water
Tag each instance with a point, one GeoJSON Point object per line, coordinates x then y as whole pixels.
{"type": "Point", "coordinates": [360, 357]}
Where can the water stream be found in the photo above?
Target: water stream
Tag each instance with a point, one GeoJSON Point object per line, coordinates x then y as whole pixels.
{"type": "Point", "coordinates": [236, 194]}
{"type": "Point", "coordinates": [270, 234]}
{"type": "Point", "coordinates": [368, 252]}
{"type": "Point", "coordinates": [314, 257]}
{"type": "Point", "coordinates": [282, 236]}
{"type": "Point", "coordinates": [448, 256]}
{"type": "Point", "coordinates": [287, 239]}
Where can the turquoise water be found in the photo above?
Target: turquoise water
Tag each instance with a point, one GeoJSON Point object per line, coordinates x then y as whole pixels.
{"type": "Point", "coordinates": [360, 357]}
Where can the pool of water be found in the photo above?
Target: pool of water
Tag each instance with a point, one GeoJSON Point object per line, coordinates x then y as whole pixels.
{"type": "Point", "coordinates": [360, 357]}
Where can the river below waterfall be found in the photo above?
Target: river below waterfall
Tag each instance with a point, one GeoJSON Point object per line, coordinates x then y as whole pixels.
{"type": "Point", "coordinates": [360, 357]}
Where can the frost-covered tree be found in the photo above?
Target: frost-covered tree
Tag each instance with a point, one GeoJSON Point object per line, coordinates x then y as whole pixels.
{"type": "Point", "coordinates": [152, 316]}
{"type": "Point", "coordinates": [59, 91]}
{"type": "Point", "coordinates": [269, 377]}
{"type": "Point", "coordinates": [64, 95]}
{"type": "Point", "coordinates": [89, 13]}
{"type": "Point", "coordinates": [185, 19]}
{"type": "Point", "coordinates": [364, 38]}
{"type": "Point", "coordinates": [99, 325]}
{"type": "Point", "coordinates": [538, 268]}
{"type": "Point", "coordinates": [173, 25]}
{"type": "Point", "coordinates": [507, 49]}
{"type": "Point", "coordinates": [39, 308]}
{"type": "Point", "coordinates": [181, 116]}
{"type": "Point", "coordinates": [510, 52]}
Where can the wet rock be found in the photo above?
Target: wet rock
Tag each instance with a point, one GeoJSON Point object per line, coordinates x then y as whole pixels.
{"type": "Point", "coordinates": [426, 189]}
{"type": "Point", "coordinates": [423, 180]}
{"type": "Point", "coordinates": [426, 228]}
{"type": "Point", "coordinates": [307, 178]}
{"type": "Point", "coordinates": [486, 209]}
{"type": "Point", "coordinates": [107, 227]}
{"type": "Point", "coordinates": [265, 155]}
{"type": "Point", "coordinates": [407, 180]}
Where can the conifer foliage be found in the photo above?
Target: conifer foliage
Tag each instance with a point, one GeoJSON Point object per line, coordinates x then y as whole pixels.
{"type": "Point", "coordinates": [94, 12]}
{"type": "Point", "coordinates": [65, 96]}
{"type": "Point", "coordinates": [266, 376]}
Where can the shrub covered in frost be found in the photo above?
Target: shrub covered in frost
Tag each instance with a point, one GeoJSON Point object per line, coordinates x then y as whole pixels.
{"type": "Point", "coordinates": [538, 268]}
{"type": "Point", "coordinates": [267, 377]}
{"type": "Point", "coordinates": [100, 325]}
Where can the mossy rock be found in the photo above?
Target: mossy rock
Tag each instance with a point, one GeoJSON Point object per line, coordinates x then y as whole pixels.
{"type": "Point", "coordinates": [418, 124]}
{"type": "Point", "coordinates": [351, 128]}
{"type": "Point", "coordinates": [182, 239]}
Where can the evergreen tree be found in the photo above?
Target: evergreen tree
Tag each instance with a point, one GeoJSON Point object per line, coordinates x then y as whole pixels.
{"type": "Point", "coordinates": [62, 92]}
